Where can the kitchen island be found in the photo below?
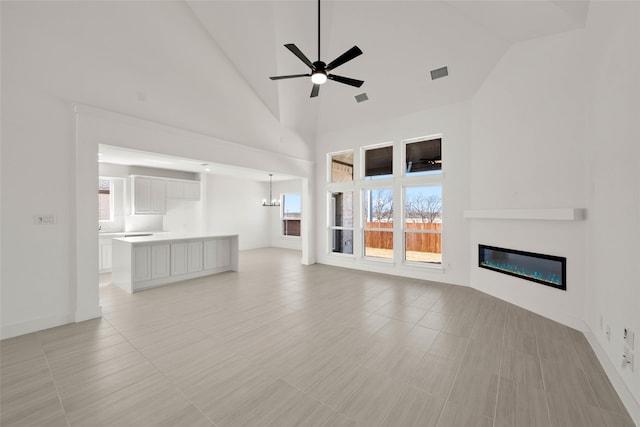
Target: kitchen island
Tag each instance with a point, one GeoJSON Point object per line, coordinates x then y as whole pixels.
{"type": "Point", "coordinates": [149, 261]}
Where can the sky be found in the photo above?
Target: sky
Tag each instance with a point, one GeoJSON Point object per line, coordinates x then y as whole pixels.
{"type": "Point", "coordinates": [292, 203]}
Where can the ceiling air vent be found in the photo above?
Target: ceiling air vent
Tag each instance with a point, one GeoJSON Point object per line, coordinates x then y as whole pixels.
{"type": "Point", "coordinates": [439, 73]}
{"type": "Point", "coordinates": [362, 97]}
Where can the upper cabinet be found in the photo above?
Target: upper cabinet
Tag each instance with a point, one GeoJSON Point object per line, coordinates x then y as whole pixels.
{"type": "Point", "coordinates": [183, 190]}
{"type": "Point", "coordinates": [148, 195]}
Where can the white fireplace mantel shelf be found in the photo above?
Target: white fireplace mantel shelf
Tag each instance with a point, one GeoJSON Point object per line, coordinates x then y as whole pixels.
{"type": "Point", "coordinates": [560, 214]}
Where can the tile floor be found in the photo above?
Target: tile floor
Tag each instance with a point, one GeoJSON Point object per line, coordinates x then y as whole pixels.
{"type": "Point", "coordinates": [281, 344]}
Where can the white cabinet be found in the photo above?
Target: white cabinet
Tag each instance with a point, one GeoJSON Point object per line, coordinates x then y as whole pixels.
{"type": "Point", "coordinates": [194, 257]}
{"type": "Point", "coordinates": [183, 190]}
{"type": "Point", "coordinates": [141, 263]}
{"type": "Point", "coordinates": [175, 189]}
{"type": "Point", "coordinates": [104, 255]}
{"type": "Point", "coordinates": [160, 261]}
{"type": "Point", "coordinates": [150, 262]}
{"type": "Point", "coordinates": [148, 195]}
{"type": "Point", "coordinates": [224, 253]}
{"type": "Point", "coordinates": [210, 250]}
{"type": "Point", "coordinates": [217, 253]}
{"type": "Point", "coordinates": [186, 257]}
{"type": "Point", "coordinates": [178, 258]}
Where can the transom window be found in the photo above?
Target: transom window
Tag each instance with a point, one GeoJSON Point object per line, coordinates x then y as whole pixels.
{"type": "Point", "coordinates": [423, 157]}
{"type": "Point", "coordinates": [342, 167]}
{"type": "Point", "coordinates": [378, 162]}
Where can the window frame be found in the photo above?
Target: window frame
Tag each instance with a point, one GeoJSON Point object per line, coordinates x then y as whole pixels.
{"type": "Point", "coordinates": [397, 182]}
{"type": "Point", "coordinates": [332, 228]}
{"type": "Point", "coordinates": [283, 219]}
{"type": "Point", "coordinates": [372, 186]}
{"type": "Point", "coordinates": [111, 201]}
{"type": "Point", "coordinates": [403, 156]}
{"type": "Point", "coordinates": [363, 162]}
{"type": "Point", "coordinates": [329, 175]}
{"type": "Point", "coordinates": [405, 230]}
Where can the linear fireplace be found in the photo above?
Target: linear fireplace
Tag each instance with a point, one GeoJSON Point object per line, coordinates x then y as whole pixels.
{"type": "Point", "coordinates": [545, 269]}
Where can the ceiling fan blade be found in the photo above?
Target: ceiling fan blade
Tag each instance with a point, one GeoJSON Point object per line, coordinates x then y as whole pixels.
{"type": "Point", "coordinates": [297, 52]}
{"type": "Point", "coordinates": [345, 80]}
{"type": "Point", "coordinates": [315, 90]}
{"type": "Point", "coordinates": [347, 56]}
{"type": "Point", "coordinates": [290, 76]}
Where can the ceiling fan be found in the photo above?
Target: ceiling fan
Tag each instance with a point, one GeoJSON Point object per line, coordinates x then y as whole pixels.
{"type": "Point", "coordinates": [319, 70]}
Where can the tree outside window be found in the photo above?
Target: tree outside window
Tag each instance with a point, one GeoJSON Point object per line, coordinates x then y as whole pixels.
{"type": "Point", "coordinates": [423, 224]}
{"type": "Point", "coordinates": [378, 223]}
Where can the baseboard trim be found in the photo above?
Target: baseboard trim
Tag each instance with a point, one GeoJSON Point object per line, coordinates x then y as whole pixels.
{"type": "Point", "coordinates": [628, 399]}
{"type": "Point", "coordinates": [548, 312]}
{"type": "Point", "coordinates": [22, 328]}
{"type": "Point", "coordinates": [81, 316]}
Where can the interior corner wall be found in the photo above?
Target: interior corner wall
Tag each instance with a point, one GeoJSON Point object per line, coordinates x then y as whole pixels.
{"type": "Point", "coordinates": [277, 239]}
{"type": "Point", "coordinates": [527, 153]}
{"type": "Point", "coordinates": [234, 206]}
{"type": "Point", "coordinates": [453, 123]}
{"type": "Point", "coordinates": [613, 164]}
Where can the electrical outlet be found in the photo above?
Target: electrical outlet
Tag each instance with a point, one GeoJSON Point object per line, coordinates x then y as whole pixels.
{"type": "Point", "coordinates": [44, 219]}
{"type": "Point", "coordinates": [607, 332]}
{"type": "Point", "coordinates": [629, 338]}
{"type": "Point", "coordinates": [627, 359]}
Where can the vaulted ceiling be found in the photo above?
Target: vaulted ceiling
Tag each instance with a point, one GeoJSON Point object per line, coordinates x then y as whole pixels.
{"type": "Point", "coordinates": [401, 40]}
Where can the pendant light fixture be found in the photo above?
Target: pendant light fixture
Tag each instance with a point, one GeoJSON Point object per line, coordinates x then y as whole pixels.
{"type": "Point", "coordinates": [272, 201]}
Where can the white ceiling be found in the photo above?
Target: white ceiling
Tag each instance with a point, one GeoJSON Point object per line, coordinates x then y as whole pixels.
{"type": "Point", "coordinates": [401, 40]}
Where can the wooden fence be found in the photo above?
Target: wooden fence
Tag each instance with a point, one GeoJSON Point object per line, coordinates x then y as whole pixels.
{"type": "Point", "coordinates": [419, 242]}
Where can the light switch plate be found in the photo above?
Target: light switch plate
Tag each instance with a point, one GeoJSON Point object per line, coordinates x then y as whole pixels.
{"type": "Point", "coordinates": [629, 338]}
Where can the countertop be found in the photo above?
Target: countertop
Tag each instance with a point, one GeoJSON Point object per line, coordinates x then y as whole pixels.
{"type": "Point", "coordinates": [115, 234]}
{"type": "Point", "coordinates": [168, 237]}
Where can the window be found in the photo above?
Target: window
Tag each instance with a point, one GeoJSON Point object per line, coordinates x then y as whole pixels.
{"type": "Point", "coordinates": [291, 214]}
{"type": "Point", "coordinates": [423, 224]}
{"type": "Point", "coordinates": [423, 157]}
{"type": "Point", "coordinates": [105, 199]}
{"type": "Point", "coordinates": [342, 167]}
{"type": "Point", "coordinates": [378, 223]}
{"type": "Point", "coordinates": [399, 206]}
{"type": "Point", "coordinates": [378, 162]}
{"type": "Point", "coordinates": [341, 227]}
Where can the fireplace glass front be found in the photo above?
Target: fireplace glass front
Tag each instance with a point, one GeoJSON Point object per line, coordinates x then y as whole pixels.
{"type": "Point", "coordinates": [545, 269]}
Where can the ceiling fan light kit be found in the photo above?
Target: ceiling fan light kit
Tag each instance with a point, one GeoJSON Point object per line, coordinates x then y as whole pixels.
{"type": "Point", "coordinates": [319, 70]}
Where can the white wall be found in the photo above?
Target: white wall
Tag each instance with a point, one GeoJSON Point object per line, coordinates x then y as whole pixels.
{"type": "Point", "coordinates": [527, 152]}
{"type": "Point", "coordinates": [613, 186]}
{"type": "Point", "coordinates": [234, 206]}
{"type": "Point", "coordinates": [555, 125]}
{"type": "Point", "coordinates": [174, 76]}
{"type": "Point", "coordinates": [277, 239]}
{"type": "Point", "coordinates": [453, 123]}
